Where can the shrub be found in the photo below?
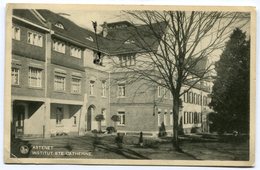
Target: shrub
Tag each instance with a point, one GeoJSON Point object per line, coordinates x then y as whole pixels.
{"type": "Point", "coordinates": [110, 129]}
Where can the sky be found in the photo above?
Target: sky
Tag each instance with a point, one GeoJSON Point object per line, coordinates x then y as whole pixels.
{"type": "Point", "coordinates": [85, 18]}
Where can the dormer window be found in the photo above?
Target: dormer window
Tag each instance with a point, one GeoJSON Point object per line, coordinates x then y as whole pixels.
{"type": "Point", "coordinates": [90, 38]}
{"type": "Point", "coordinates": [59, 25]}
{"type": "Point", "coordinates": [127, 60]}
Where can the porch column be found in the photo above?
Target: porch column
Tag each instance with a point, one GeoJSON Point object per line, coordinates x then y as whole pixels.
{"type": "Point", "coordinates": [46, 129]}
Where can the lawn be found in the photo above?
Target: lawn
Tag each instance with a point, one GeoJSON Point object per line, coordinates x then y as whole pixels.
{"type": "Point", "coordinates": [104, 147]}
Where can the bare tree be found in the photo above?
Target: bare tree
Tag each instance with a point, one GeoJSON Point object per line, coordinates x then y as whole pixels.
{"type": "Point", "coordinates": [171, 44]}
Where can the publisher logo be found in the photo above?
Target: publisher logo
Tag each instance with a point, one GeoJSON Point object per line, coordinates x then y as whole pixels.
{"type": "Point", "coordinates": [24, 149]}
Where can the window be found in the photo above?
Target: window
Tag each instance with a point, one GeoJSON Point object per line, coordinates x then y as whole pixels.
{"type": "Point", "coordinates": [15, 76]}
{"type": "Point", "coordinates": [59, 83]}
{"type": "Point", "coordinates": [59, 115]}
{"type": "Point", "coordinates": [91, 92]}
{"type": "Point", "coordinates": [164, 92]}
{"type": "Point", "coordinates": [59, 46]}
{"type": "Point", "coordinates": [185, 97]}
{"type": "Point", "coordinates": [127, 60]}
{"type": "Point", "coordinates": [103, 89]}
{"type": "Point", "coordinates": [75, 52]}
{"type": "Point", "coordinates": [75, 85]}
{"type": "Point", "coordinates": [59, 25]}
{"type": "Point", "coordinates": [190, 97]}
{"type": "Point", "coordinates": [121, 90]}
{"type": "Point", "coordinates": [34, 39]}
{"type": "Point", "coordinates": [16, 33]}
{"type": "Point", "coordinates": [35, 77]}
{"type": "Point", "coordinates": [195, 117]}
{"type": "Point", "coordinates": [103, 112]}
{"type": "Point", "coordinates": [184, 117]}
{"type": "Point", "coordinates": [122, 118]}
{"type": "Point", "coordinates": [159, 118]}
{"type": "Point", "coordinates": [204, 100]}
{"type": "Point", "coordinates": [74, 120]}
{"type": "Point", "coordinates": [159, 90]}
{"type": "Point", "coordinates": [195, 98]}
{"type": "Point", "coordinates": [171, 118]}
{"type": "Point", "coordinates": [165, 118]}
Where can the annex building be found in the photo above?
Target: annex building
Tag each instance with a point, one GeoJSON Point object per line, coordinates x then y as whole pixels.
{"type": "Point", "coordinates": [62, 78]}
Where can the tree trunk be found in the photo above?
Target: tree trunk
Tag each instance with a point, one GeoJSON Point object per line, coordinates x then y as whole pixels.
{"type": "Point", "coordinates": [175, 140]}
{"type": "Point", "coordinates": [99, 126]}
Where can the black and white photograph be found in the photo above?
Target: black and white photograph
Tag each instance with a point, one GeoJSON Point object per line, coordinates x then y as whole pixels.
{"type": "Point", "coordinates": [130, 85]}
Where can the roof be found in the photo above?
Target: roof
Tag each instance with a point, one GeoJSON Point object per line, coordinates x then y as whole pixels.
{"type": "Point", "coordinates": [27, 15]}
{"type": "Point", "coordinates": [71, 30]}
{"type": "Point", "coordinates": [134, 39]}
{"type": "Point", "coordinates": [120, 39]}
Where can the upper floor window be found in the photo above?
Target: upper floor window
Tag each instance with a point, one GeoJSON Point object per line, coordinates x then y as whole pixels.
{"type": "Point", "coordinates": [59, 46]}
{"type": "Point", "coordinates": [127, 60]}
{"type": "Point", "coordinates": [75, 85]}
{"type": "Point", "coordinates": [121, 90]}
{"type": "Point", "coordinates": [165, 93]}
{"type": "Point", "coordinates": [59, 83]}
{"type": "Point", "coordinates": [34, 39]}
{"type": "Point", "coordinates": [75, 52]}
{"type": "Point", "coordinates": [91, 92]}
{"type": "Point", "coordinates": [16, 33]}
{"type": "Point", "coordinates": [35, 77]}
{"type": "Point", "coordinates": [15, 76]}
{"type": "Point", "coordinates": [103, 88]}
{"type": "Point", "coordinates": [121, 118]}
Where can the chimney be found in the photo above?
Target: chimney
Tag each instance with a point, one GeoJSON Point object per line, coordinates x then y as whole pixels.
{"type": "Point", "coordinates": [105, 29]}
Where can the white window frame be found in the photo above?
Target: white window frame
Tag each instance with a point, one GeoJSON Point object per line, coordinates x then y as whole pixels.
{"type": "Point", "coordinates": [34, 38]}
{"type": "Point", "coordinates": [59, 46]}
{"type": "Point", "coordinates": [122, 118]}
{"type": "Point", "coordinates": [75, 85]}
{"type": "Point", "coordinates": [16, 33]}
{"type": "Point", "coordinates": [75, 52]}
{"type": "Point", "coordinates": [59, 83]}
{"type": "Point", "coordinates": [121, 90]}
{"type": "Point", "coordinates": [15, 76]}
{"type": "Point", "coordinates": [37, 78]}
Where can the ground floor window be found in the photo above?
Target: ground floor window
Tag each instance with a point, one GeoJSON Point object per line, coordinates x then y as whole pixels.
{"type": "Point", "coordinates": [165, 118]}
{"type": "Point", "coordinates": [122, 118]}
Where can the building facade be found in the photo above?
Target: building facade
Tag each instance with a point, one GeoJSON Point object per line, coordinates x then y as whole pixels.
{"type": "Point", "coordinates": [62, 79]}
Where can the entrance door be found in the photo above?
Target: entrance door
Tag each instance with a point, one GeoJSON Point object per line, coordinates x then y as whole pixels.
{"type": "Point", "coordinates": [19, 115]}
{"type": "Point", "coordinates": [89, 117]}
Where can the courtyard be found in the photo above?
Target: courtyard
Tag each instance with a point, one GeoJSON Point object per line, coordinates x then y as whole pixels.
{"type": "Point", "coordinates": [103, 146]}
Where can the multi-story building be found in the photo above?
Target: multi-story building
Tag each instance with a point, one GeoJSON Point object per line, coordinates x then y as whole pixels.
{"type": "Point", "coordinates": [62, 79]}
